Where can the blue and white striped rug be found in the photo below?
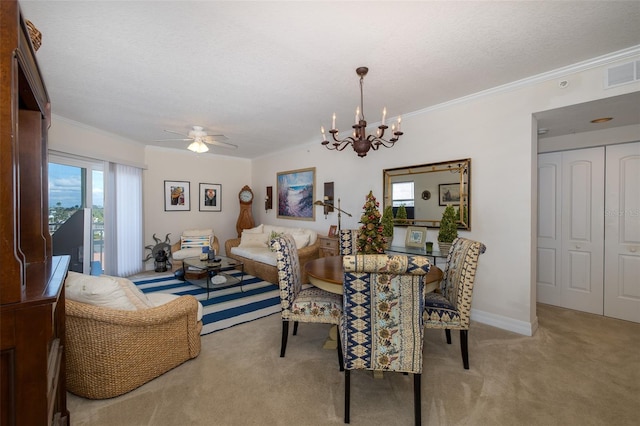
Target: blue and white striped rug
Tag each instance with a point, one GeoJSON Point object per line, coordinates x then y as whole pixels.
{"type": "Point", "coordinates": [225, 307]}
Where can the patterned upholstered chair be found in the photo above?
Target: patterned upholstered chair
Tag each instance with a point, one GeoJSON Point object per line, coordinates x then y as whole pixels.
{"type": "Point", "coordinates": [382, 324]}
{"type": "Point", "coordinates": [298, 304]}
{"type": "Point", "coordinates": [451, 308]}
{"type": "Point", "coordinates": [348, 241]}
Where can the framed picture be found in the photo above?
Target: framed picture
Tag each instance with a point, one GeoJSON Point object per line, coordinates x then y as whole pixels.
{"type": "Point", "coordinates": [177, 196]}
{"type": "Point", "coordinates": [333, 231]}
{"type": "Point", "coordinates": [210, 197]}
{"type": "Point", "coordinates": [449, 193]}
{"type": "Point", "coordinates": [416, 236]}
{"type": "Point", "coordinates": [296, 192]}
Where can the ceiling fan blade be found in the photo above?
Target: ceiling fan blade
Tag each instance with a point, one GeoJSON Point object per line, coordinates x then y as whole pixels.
{"type": "Point", "coordinates": [165, 140]}
{"type": "Point", "coordinates": [221, 144]}
{"type": "Point", "coordinates": [219, 138]}
{"type": "Point", "coordinates": [176, 133]}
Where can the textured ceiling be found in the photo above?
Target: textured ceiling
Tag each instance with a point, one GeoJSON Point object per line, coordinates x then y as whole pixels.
{"type": "Point", "coordinates": [269, 74]}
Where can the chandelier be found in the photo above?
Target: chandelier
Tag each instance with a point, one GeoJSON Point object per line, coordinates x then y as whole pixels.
{"type": "Point", "coordinates": [360, 141]}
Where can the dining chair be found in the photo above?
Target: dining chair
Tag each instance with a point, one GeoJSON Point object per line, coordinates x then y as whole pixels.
{"type": "Point", "coordinates": [348, 241]}
{"type": "Point", "coordinates": [382, 325]}
{"type": "Point", "coordinates": [300, 304]}
{"type": "Point", "coordinates": [451, 308]}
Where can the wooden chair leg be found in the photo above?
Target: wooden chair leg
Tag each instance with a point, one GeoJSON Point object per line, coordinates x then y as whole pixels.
{"type": "Point", "coordinates": [285, 334]}
{"type": "Point", "coordinates": [295, 328]}
{"type": "Point", "coordinates": [447, 333]}
{"type": "Point", "coordinates": [464, 348]}
{"type": "Point", "coordinates": [340, 357]}
{"type": "Point", "coordinates": [347, 391]}
{"type": "Point", "coordinates": [417, 400]}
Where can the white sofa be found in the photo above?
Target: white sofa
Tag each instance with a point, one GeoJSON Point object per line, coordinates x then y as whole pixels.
{"type": "Point", "coordinates": [252, 248]}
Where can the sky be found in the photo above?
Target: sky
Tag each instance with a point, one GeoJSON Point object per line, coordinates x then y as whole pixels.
{"type": "Point", "coordinates": [65, 183]}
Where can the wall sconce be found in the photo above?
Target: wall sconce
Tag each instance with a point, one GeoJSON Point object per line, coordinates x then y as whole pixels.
{"type": "Point", "coordinates": [328, 198]}
{"type": "Point", "coordinates": [268, 200]}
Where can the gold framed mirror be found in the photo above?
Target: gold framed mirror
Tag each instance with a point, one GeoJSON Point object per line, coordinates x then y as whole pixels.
{"type": "Point", "coordinates": [426, 189]}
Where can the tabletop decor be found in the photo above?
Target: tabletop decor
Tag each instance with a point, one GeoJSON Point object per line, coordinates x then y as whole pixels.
{"type": "Point", "coordinates": [387, 224]}
{"type": "Point", "coordinates": [448, 229]}
{"type": "Point", "coordinates": [370, 238]}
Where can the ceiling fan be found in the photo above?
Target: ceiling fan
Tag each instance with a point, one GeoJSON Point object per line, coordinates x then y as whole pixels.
{"type": "Point", "coordinates": [199, 140]}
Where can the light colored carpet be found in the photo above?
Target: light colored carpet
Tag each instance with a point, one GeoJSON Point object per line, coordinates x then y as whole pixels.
{"type": "Point", "coordinates": [578, 369]}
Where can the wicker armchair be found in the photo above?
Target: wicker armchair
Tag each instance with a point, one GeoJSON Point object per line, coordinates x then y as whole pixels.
{"type": "Point", "coordinates": [110, 352]}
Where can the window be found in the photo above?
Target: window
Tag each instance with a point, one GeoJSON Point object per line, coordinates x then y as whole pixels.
{"type": "Point", "coordinates": [402, 193]}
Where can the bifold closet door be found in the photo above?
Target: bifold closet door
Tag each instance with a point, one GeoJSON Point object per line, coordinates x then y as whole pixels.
{"type": "Point", "coordinates": [571, 229]}
{"type": "Point", "coordinates": [622, 231]}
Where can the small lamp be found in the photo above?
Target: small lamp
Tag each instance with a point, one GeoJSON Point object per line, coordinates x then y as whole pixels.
{"type": "Point", "coordinates": [160, 262]}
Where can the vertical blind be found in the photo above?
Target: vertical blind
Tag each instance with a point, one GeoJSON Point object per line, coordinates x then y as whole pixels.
{"type": "Point", "coordinates": [123, 220]}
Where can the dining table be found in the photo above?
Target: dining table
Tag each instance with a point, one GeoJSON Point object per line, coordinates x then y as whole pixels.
{"type": "Point", "coordinates": [327, 273]}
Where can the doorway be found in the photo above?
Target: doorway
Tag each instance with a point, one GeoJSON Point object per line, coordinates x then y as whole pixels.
{"type": "Point", "coordinates": [588, 255]}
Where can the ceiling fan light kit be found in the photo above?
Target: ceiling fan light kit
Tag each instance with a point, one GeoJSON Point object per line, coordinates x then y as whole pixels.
{"type": "Point", "coordinates": [200, 138]}
{"type": "Point", "coordinates": [360, 141]}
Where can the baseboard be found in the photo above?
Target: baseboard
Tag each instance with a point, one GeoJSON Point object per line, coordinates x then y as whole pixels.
{"type": "Point", "coordinates": [505, 323]}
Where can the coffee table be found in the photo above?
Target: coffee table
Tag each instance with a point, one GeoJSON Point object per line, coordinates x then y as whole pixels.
{"type": "Point", "coordinates": [215, 271]}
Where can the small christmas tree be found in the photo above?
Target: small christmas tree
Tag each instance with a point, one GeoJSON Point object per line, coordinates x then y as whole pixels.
{"type": "Point", "coordinates": [370, 238]}
{"type": "Point", "coordinates": [401, 215]}
{"type": "Point", "coordinates": [448, 225]}
{"type": "Point", "coordinates": [387, 223]}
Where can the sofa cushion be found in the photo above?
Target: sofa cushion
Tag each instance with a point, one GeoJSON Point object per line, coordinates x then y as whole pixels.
{"type": "Point", "coordinates": [257, 230]}
{"type": "Point", "coordinates": [301, 239]}
{"type": "Point", "coordinates": [161, 298]}
{"type": "Point", "coordinates": [197, 232]}
{"type": "Point", "coordinates": [263, 255]}
{"type": "Point", "coordinates": [253, 240]}
{"type": "Point", "coordinates": [197, 241]}
{"type": "Point", "coordinates": [187, 252]}
{"type": "Point", "coordinates": [106, 291]}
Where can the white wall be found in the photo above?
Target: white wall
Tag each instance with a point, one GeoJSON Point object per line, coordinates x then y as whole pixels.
{"type": "Point", "coordinates": [183, 165]}
{"type": "Point", "coordinates": [76, 138]}
{"type": "Point", "coordinates": [496, 130]}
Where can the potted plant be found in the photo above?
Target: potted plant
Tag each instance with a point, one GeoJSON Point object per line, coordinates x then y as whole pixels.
{"type": "Point", "coordinates": [387, 225]}
{"type": "Point", "coordinates": [448, 229]}
{"type": "Point", "coordinates": [401, 215]}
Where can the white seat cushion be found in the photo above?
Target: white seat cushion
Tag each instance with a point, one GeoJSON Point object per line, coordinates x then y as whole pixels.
{"type": "Point", "coordinates": [161, 298]}
{"type": "Point", "coordinates": [263, 255]}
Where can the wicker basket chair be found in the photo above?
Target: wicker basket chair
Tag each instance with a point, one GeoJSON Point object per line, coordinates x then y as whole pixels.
{"type": "Point", "coordinates": [110, 352]}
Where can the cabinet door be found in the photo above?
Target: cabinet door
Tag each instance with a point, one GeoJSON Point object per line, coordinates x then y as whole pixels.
{"type": "Point", "coordinates": [622, 230]}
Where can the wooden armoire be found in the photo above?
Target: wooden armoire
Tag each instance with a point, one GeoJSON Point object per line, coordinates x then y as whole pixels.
{"type": "Point", "coordinates": [32, 339]}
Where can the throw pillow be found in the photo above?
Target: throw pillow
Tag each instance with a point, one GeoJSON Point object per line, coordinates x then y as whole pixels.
{"type": "Point", "coordinates": [197, 232]}
{"type": "Point", "coordinates": [253, 240]}
{"type": "Point", "coordinates": [98, 291]}
{"type": "Point", "coordinates": [195, 241]}
{"type": "Point", "coordinates": [301, 239]}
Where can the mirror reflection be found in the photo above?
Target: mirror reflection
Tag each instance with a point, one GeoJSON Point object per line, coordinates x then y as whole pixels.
{"type": "Point", "coordinates": [426, 189]}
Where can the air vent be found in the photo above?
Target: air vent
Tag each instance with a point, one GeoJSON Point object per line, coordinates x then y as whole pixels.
{"type": "Point", "coordinates": [622, 74]}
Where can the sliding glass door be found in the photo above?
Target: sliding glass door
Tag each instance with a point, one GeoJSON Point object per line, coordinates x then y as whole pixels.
{"type": "Point", "coordinates": [76, 184]}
